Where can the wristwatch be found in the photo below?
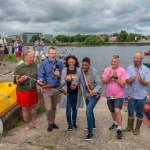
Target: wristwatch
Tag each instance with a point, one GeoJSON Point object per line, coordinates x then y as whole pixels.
{"type": "Point", "coordinates": [116, 78]}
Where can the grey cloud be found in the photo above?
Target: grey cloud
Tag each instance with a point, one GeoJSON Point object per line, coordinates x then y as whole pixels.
{"type": "Point", "coordinates": [74, 16]}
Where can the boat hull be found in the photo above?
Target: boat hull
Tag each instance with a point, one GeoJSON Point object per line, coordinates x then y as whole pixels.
{"type": "Point", "coordinates": [7, 97]}
{"type": "Point", "coordinates": [1, 128]}
{"type": "Point", "coordinates": [147, 53]}
{"type": "Point", "coordinates": [147, 65]}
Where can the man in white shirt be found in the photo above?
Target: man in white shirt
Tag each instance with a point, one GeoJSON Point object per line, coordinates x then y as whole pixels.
{"type": "Point", "coordinates": [38, 45]}
{"type": "Point", "coordinates": [2, 48]}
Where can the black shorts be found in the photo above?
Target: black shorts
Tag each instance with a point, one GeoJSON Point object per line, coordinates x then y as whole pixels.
{"type": "Point", "coordinates": [115, 103]}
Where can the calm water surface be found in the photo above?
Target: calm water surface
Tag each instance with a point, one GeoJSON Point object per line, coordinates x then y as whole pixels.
{"type": "Point", "coordinates": [101, 56]}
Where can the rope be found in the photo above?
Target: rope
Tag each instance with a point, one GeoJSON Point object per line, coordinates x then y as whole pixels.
{"type": "Point", "coordinates": [59, 90]}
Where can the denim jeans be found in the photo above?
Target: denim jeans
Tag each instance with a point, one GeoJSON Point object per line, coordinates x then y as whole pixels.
{"type": "Point", "coordinates": [71, 110]}
{"type": "Point", "coordinates": [89, 113]}
{"type": "Point", "coordinates": [136, 105]}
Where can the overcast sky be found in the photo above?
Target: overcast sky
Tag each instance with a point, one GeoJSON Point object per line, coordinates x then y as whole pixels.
{"type": "Point", "coordinates": [74, 16]}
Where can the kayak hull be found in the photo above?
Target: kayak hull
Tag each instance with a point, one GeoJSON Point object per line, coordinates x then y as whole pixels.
{"type": "Point", "coordinates": [8, 97]}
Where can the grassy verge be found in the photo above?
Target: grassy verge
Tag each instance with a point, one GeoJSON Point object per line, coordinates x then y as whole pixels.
{"type": "Point", "coordinates": [40, 109]}
{"type": "Point", "coordinates": [18, 123]}
{"type": "Point", "coordinates": [51, 147]}
{"type": "Point", "coordinates": [9, 57]}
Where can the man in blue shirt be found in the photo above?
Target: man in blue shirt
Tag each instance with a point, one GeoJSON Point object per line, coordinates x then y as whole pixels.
{"type": "Point", "coordinates": [138, 77]}
{"type": "Point", "coordinates": [49, 74]}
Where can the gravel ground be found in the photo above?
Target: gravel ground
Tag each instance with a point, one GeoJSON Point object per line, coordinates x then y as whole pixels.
{"type": "Point", "coordinates": [62, 139]}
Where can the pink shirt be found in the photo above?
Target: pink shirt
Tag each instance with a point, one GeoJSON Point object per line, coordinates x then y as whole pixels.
{"type": "Point", "coordinates": [112, 88]}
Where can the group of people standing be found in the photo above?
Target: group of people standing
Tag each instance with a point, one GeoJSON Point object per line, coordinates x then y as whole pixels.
{"type": "Point", "coordinates": [137, 78]}
{"type": "Point", "coordinates": [18, 49]}
{"type": "Point", "coordinates": [81, 83]}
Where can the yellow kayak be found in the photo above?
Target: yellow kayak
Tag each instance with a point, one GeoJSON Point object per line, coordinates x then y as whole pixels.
{"type": "Point", "coordinates": [7, 97]}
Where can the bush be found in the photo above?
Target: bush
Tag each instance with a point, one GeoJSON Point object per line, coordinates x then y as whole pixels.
{"type": "Point", "coordinates": [94, 40]}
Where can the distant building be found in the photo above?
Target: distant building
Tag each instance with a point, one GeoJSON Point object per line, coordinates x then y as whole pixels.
{"type": "Point", "coordinates": [48, 37]}
{"type": "Point", "coordinates": [26, 37]}
{"type": "Point", "coordinates": [113, 39]}
{"type": "Point", "coordinates": [143, 40]}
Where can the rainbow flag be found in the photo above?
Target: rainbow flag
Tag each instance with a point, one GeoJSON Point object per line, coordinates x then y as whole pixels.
{"type": "Point", "coordinates": [148, 96]}
{"type": "Point", "coordinates": [45, 86]}
{"type": "Point", "coordinates": [63, 91]}
{"type": "Point", "coordinates": [110, 97]}
{"type": "Point", "coordinates": [16, 79]}
{"type": "Point", "coordinates": [85, 81]}
{"type": "Point", "coordinates": [59, 90]}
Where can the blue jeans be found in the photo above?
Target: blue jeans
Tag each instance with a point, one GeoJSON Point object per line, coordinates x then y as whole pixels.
{"type": "Point", "coordinates": [71, 105]}
{"type": "Point", "coordinates": [136, 105]}
{"type": "Point", "coordinates": [89, 113]}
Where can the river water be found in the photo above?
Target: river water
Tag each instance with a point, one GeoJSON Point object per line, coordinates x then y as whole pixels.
{"type": "Point", "coordinates": [101, 56]}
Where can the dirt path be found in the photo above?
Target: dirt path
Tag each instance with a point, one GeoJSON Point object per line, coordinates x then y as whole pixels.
{"type": "Point", "coordinates": [62, 139]}
{"type": "Point", "coordinates": [10, 65]}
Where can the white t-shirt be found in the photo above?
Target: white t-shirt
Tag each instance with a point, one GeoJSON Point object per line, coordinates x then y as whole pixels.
{"type": "Point", "coordinates": [39, 45]}
{"type": "Point", "coordinates": [2, 42]}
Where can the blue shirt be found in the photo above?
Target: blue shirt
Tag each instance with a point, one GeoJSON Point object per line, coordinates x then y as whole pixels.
{"type": "Point", "coordinates": [136, 89]}
{"type": "Point", "coordinates": [46, 72]}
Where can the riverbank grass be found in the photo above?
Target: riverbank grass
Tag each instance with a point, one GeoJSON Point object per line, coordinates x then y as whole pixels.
{"type": "Point", "coordinates": [9, 57]}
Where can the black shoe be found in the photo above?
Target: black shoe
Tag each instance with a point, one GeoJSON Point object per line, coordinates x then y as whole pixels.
{"type": "Point", "coordinates": [87, 128]}
{"type": "Point", "coordinates": [75, 126]}
{"type": "Point", "coordinates": [70, 128]}
{"type": "Point", "coordinates": [119, 134]}
{"type": "Point", "coordinates": [55, 126]}
{"type": "Point", "coordinates": [89, 137]}
{"type": "Point", "coordinates": [50, 128]}
{"type": "Point", "coordinates": [113, 127]}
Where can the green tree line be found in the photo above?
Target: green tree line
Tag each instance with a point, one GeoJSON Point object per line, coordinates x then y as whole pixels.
{"type": "Point", "coordinates": [123, 36]}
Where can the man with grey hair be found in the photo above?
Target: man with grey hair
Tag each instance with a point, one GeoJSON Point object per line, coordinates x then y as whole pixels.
{"type": "Point", "coordinates": [27, 95]}
{"type": "Point", "coordinates": [38, 45]}
{"type": "Point", "coordinates": [138, 77]}
{"type": "Point", "coordinates": [115, 79]}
